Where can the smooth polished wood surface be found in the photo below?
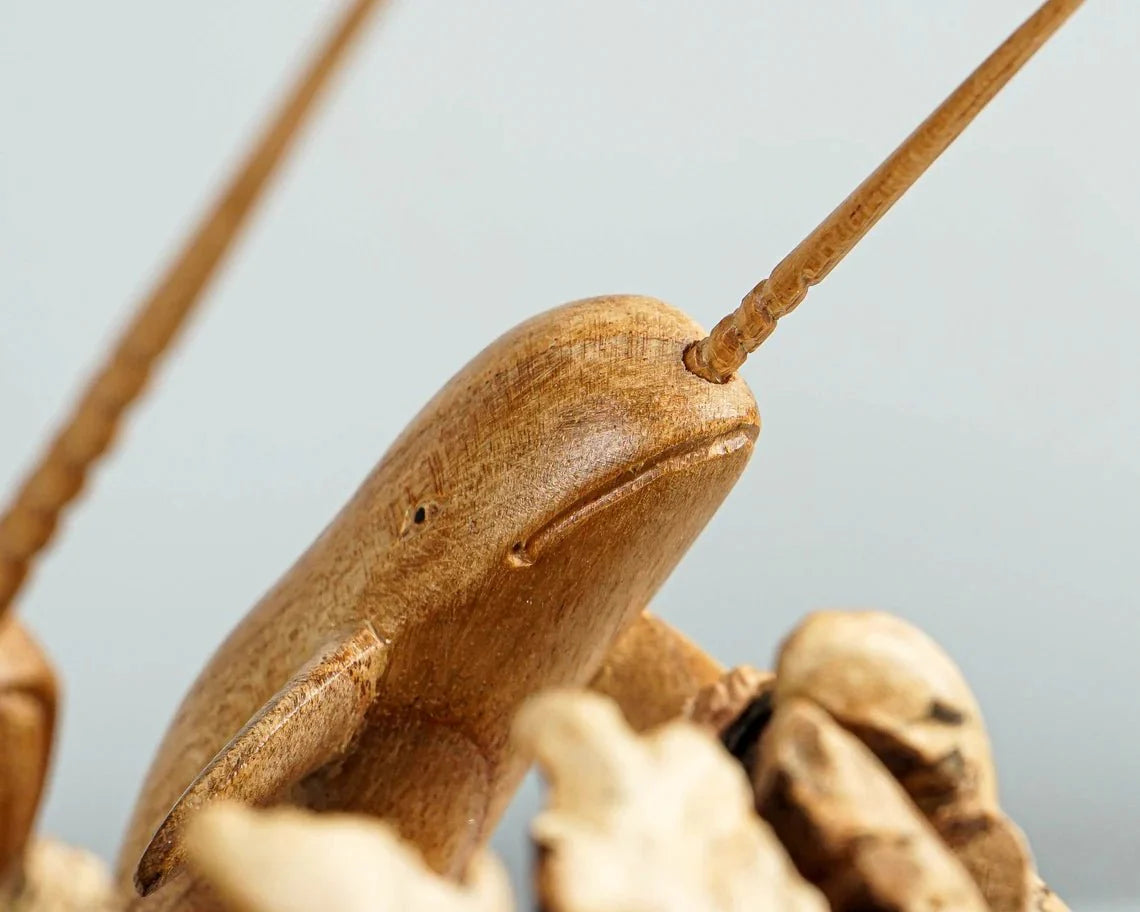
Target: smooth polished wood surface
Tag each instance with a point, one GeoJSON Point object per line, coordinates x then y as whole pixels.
{"type": "Point", "coordinates": [653, 672]}
{"type": "Point", "coordinates": [513, 531]}
{"type": "Point", "coordinates": [28, 699]}
{"type": "Point", "coordinates": [741, 332]}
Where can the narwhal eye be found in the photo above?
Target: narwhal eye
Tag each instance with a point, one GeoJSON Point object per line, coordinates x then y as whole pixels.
{"type": "Point", "coordinates": [417, 517]}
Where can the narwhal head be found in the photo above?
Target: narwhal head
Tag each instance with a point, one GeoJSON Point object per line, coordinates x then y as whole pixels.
{"type": "Point", "coordinates": [556, 479]}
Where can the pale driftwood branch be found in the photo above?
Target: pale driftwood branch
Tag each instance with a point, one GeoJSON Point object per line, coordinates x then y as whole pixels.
{"type": "Point", "coordinates": [894, 687]}
{"type": "Point", "coordinates": [58, 878]}
{"type": "Point", "coordinates": [1044, 899]}
{"type": "Point", "coordinates": [735, 709]}
{"type": "Point", "coordinates": [996, 853]}
{"type": "Point", "coordinates": [847, 823]}
{"type": "Point", "coordinates": [658, 823]}
{"type": "Point", "coordinates": [287, 860]}
{"type": "Point", "coordinates": [898, 691]}
{"type": "Point", "coordinates": [720, 705]}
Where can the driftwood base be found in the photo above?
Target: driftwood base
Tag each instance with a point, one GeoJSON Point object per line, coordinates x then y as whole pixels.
{"type": "Point", "coordinates": [58, 878]}
{"type": "Point", "coordinates": [857, 777]}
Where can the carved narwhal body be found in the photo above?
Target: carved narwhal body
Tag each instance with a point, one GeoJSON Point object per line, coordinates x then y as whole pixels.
{"type": "Point", "coordinates": [520, 522]}
{"type": "Point", "coordinates": [508, 541]}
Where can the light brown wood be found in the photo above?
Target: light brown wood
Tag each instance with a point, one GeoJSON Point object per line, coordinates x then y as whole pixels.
{"type": "Point", "coordinates": [653, 672]}
{"type": "Point", "coordinates": [509, 541]}
{"type": "Point", "coordinates": [511, 533]}
{"type": "Point", "coordinates": [717, 357]}
{"type": "Point", "coordinates": [735, 709]}
{"type": "Point", "coordinates": [28, 701]}
{"type": "Point", "coordinates": [719, 705]}
{"type": "Point", "coordinates": [30, 521]}
{"type": "Point", "coordinates": [310, 723]}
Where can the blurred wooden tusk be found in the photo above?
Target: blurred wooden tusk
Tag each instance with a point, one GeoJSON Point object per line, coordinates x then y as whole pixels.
{"type": "Point", "coordinates": [31, 519]}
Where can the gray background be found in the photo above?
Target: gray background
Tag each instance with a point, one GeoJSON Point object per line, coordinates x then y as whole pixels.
{"type": "Point", "coordinates": [951, 420]}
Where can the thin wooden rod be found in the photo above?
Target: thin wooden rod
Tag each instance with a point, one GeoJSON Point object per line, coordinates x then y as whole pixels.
{"type": "Point", "coordinates": [718, 356]}
{"type": "Point", "coordinates": [31, 519]}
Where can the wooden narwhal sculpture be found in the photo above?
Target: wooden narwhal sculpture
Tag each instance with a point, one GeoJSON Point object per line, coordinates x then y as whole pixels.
{"type": "Point", "coordinates": [515, 528]}
{"type": "Point", "coordinates": [509, 540]}
{"type": "Point", "coordinates": [520, 523]}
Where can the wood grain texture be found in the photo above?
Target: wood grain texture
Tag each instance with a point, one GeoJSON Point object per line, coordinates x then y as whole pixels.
{"type": "Point", "coordinates": [848, 825]}
{"type": "Point", "coordinates": [741, 332]}
{"type": "Point", "coordinates": [510, 534]}
{"type": "Point", "coordinates": [896, 690]}
{"type": "Point", "coordinates": [30, 521]}
{"type": "Point", "coordinates": [653, 671]}
{"type": "Point", "coordinates": [306, 724]}
{"type": "Point", "coordinates": [28, 699]}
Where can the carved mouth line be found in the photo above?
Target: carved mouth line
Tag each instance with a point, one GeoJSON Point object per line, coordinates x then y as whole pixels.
{"type": "Point", "coordinates": [673, 459]}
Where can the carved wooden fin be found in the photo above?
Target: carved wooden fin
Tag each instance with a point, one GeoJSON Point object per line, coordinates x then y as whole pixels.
{"type": "Point", "coordinates": [28, 698]}
{"type": "Point", "coordinates": [309, 722]}
{"type": "Point", "coordinates": [652, 671]}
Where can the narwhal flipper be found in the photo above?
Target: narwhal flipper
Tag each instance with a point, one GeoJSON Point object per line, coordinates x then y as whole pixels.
{"type": "Point", "coordinates": [28, 698]}
{"type": "Point", "coordinates": [652, 671]}
{"type": "Point", "coordinates": [306, 724]}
